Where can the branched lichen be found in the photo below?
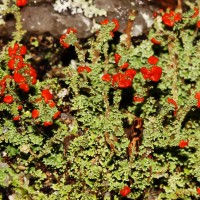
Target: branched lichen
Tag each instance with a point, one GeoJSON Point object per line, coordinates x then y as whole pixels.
{"type": "Point", "coordinates": [125, 114]}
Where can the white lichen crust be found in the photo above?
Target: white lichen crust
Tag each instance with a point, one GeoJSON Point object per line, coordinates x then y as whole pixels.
{"type": "Point", "coordinates": [87, 8]}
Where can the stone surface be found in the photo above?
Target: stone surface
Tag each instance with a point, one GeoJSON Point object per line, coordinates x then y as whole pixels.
{"type": "Point", "coordinates": [39, 16]}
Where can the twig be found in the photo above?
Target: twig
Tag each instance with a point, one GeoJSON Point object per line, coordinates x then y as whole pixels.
{"type": "Point", "coordinates": [129, 26]}
{"type": "Point", "coordinates": [180, 6]}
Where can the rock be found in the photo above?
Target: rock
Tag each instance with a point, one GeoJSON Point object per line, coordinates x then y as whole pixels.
{"type": "Point", "coordinates": [39, 17]}
{"type": "Point", "coordinates": [42, 16]}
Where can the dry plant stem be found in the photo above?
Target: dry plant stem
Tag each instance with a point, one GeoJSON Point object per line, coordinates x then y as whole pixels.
{"type": "Point", "coordinates": [128, 29]}
{"type": "Point", "coordinates": [80, 50]}
{"type": "Point", "coordinates": [174, 66]}
{"type": "Point", "coordinates": [180, 5]}
{"type": "Point", "coordinates": [96, 56]}
{"type": "Point", "coordinates": [107, 105]}
{"type": "Point", "coordinates": [109, 142]}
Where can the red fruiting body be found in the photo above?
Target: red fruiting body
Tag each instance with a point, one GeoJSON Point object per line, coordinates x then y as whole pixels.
{"type": "Point", "coordinates": [116, 22]}
{"type": "Point", "coordinates": [152, 60]}
{"type": "Point", "coordinates": [198, 190]}
{"type": "Point", "coordinates": [32, 72]}
{"type": "Point", "coordinates": [35, 113]}
{"type": "Point", "coordinates": [46, 94]}
{"type": "Point", "coordinates": [170, 18]}
{"type": "Point", "coordinates": [104, 22]}
{"type": "Point", "coordinates": [8, 99]}
{"type": "Point", "coordinates": [21, 3]}
{"type": "Point", "coordinates": [20, 107]}
{"type": "Point", "coordinates": [177, 17]}
{"type": "Point", "coordinates": [138, 99]}
{"type": "Point", "coordinates": [156, 73]}
{"type": "Point", "coordinates": [124, 66]}
{"type": "Point", "coordinates": [197, 95]}
{"type": "Point", "coordinates": [20, 65]}
{"type": "Point", "coordinates": [169, 22]}
{"type": "Point", "coordinates": [24, 87]}
{"type": "Point", "coordinates": [13, 51]}
{"type": "Point", "coordinates": [48, 123]}
{"type": "Point", "coordinates": [10, 51]}
{"type": "Point", "coordinates": [125, 191]}
{"type": "Point", "coordinates": [154, 41]}
{"type": "Point", "coordinates": [3, 84]}
{"type": "Point", "coordinates": [15, 62]}
{"type": "Point", "coordinates": [83, 68]}
{"type": "Point", "coordinates": [52, 104]}
{"type": "Point", "coordinates": [34, 81]}
{"type": "Point", "coordinates": [153, 74]}
{"type": "Point", "coordinates": [56, 115]}
{"type": "Point", "coordinates": [198, 24]}
{"type": "Point", "coordinates": [18, 78]}
{"type": "Point", "coordinates": [3, 81]}
{"type": "Point", "coordinates": [23, 50]}
{"type": "Point", "coordinates": [116, 77]}
{"type": "Point", "coordinates": [63, 43]}
{"type": "Point", "coordinates": [173, 102]}
{"type": "Point", "coordinates": [71, 30]}
{"type": "Point", "coordinates": [80, 69]}
{"type": "Point", "coordinates": [63, 37]}
{"type": "Point", "coordinates": [87, 69]}
{"type": "Point", "coordinates": [130, 73]}
{"type": "Point", "coordinates": [117, 58]}
{"type": "Point", "coordinates": [183, 143]}
{"type": "Point", "coordinates": [155, 14]}
{"type": "Point", "coordinates": [16, 118]}
{"type": "Point", "coordinates": [111, 34]}
{"type": "Point", "coordinates": [196, 12]}
{"type": "Point", "coordinates": [11, 64]}
{"type": "Point", "coordinates": [146, 73]}
{"type": "Point", "coordinates": [123, 80]}
{"type": "Point", "coordinates": [106, 77]}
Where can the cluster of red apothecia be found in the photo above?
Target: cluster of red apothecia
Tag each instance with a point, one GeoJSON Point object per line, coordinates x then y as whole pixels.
{"type": "Point", "coordinates": [124, 78]}
{"type": "Point", "coordinates": [155, 72]}
{"type": "Point", "coordinates": [171, 17]}
{"type": "Point", "coordinates": [23, 73]}
{"type": "Point", "coordinates": [47, 97]}
{"type": "Point", "coordinates": [115, 21]}
{"type": "Point", "coordinates": [64, 36]}
{"type": "Point", "coordinates": [24, 76]}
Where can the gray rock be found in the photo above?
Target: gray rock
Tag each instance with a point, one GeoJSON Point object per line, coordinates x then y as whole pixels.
{"type": "Point", "coordinates": [39, 16]}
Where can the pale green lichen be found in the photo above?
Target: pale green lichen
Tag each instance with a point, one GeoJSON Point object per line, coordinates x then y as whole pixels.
{"type": "Point", "coordinates": [87, 157]}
